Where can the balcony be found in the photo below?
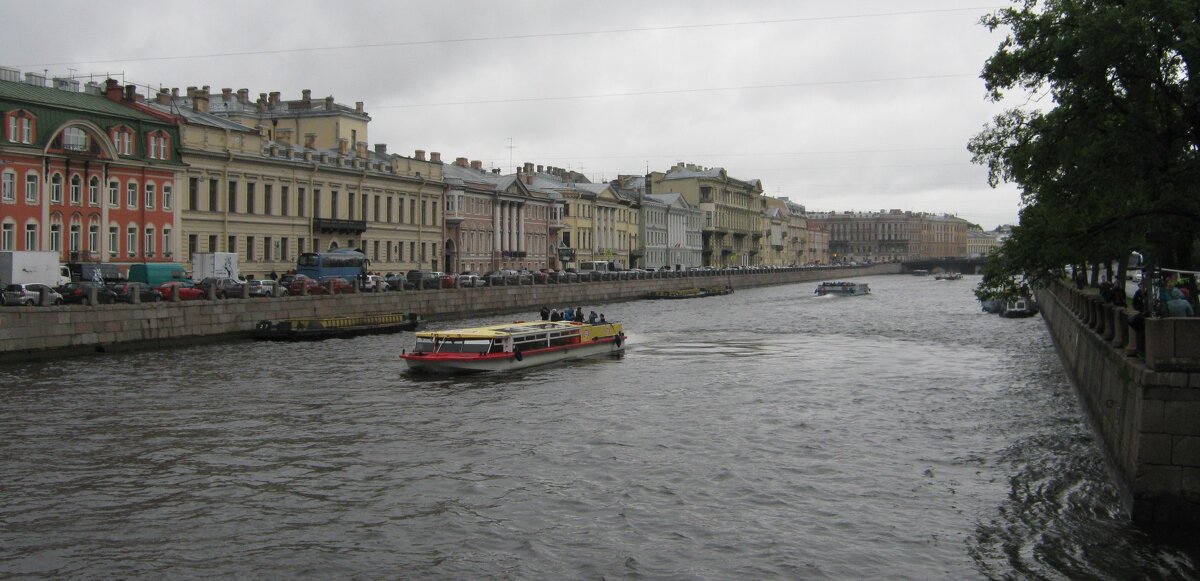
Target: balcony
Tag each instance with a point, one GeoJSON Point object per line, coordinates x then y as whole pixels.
{"type": "Point", "coordinates": [339, 226]}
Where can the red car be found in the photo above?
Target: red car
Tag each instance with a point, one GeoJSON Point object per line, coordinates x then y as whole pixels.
{"type": "Point", "coordinates": [319, 287]}
{"type": "Point", "coordinates": [448, 280]}
{"type": "Point", "coordinates": [187, 292]}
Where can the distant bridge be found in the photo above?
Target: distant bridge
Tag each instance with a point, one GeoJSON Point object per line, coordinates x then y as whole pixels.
{"type": "Point", "coordinates": [963, 265]}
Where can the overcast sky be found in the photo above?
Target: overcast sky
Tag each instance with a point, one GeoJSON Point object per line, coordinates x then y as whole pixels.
{"type": "Point", "coordinates": [847, 105]}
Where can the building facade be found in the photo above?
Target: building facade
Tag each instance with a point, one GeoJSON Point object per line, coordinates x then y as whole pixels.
{"type": "Point", "coordinates": [85, 177]}
{"type": "Point", "coordinates": [732, 211]}
{"type": "Point", "coordinates": [893, 235]}
{"type": "Point", "coordinates": [270, 200]}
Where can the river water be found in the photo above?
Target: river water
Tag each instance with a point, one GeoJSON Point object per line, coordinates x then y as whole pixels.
{"type": "Point", "coordinates": [762, 435]}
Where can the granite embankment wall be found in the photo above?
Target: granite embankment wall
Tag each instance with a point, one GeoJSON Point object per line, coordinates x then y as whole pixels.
{"type": "Point", "coordinates": [48, 332]}
{"type": "Point", "coordinates": [1145, 406]}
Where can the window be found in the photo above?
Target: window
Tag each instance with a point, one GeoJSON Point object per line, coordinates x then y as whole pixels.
{"type": "Point", "coordinates": [158, 143]}
{"type": "Point", "coordinates": [114, 193]}
{"type": "Point", "coordinates": [249, 249]}
{"type": "Point", "coordinates": [316, 203]}
{"type": "Point", "coordinates": [94, 238]}
{"type": "Point", "coordinates": [213, 186]}
{"type": "Point", "coordinates": [10, 187]}
{"type": "Point", "coordinates": [267, 254]}
{"type": "Point", "coordinates": [300, 203]}
{"type": "Point", "coordinates": [167, 202]}
{"type": "Point", "coordinates": [283, 201]}
{"type": "Point", "coordinates": [31, 237]}
{"type": "Point", "coordinates": [250, 195]}
{"type": "Point", "coordinates": [193, 194]}
{"type": "Point", "coordinates": [232, 207]}
{"type": "Point", "coordinates": [8, 237]}
{"type": "Point", "coordinates": [131, 196]}
{"type": "Point", "coordinates": [76, 190]}
{"type": "Point", "coordinates": [114, 241]}
{"type": "Point", "coordinates": [267, 199]}
{"type": "Point", "coordinates": [150, 195]}
{"type": "Point", "coordinates": [149, 248]}
{"type": "Point", "coordinates": [74, 139]}
{"type": "Point", "coordinates": [76, 237]}
{"type": "Point", "coordinates": [193, 245]}
{"type": "Point", "coordinates": [56, 237]}
{"type": "Point", "coordinates": [20, 127]}
{"type": "Point", "coordinates": [94, 191]}
{"type": "Point", "coordinates": [166, 242]}
{"type": "Point", "coordinates": [131, 236]}
{"type": "Point", "coordinates": [333, 204]}
{"type": "Point", "coordinates": [56, 189]}
{"type": "Point", "coordinates": [122, 138]}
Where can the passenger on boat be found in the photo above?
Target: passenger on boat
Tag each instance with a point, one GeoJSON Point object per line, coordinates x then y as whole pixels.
{"type": "Point", "coordinates": [592, 317]}
{"type": "Point", "coordinates": [602, 321]}
{"type": "Point", "coordinates": [545, 314]}
{"type": "Point", "coordinates": [554, 315]}
{"type": "Point", "coordinates": [569, 315]}
{"type": "Point", "coordinates": [578, 314]}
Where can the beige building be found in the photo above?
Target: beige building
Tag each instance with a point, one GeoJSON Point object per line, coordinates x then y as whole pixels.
{"type": "Point", "coordinates": [732, 211]}
{"type": "Point", "coordinates": [892, 235]}
{"type": "Point", "coordinates": [253, 189]}
{"type": "Point", "coordinates": [784, 241]}
{"type": "Point", "coordinates": [981, 244]}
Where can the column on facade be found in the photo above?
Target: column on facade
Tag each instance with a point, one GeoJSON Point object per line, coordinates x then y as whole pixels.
{"type": "Point", "coordinates": [521, 228]}
{"type": "Point", "coordinates": [496, 227]}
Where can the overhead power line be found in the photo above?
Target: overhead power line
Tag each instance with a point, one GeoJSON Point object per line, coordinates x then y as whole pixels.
{"type": "Point", "coordinates": [409, 43]}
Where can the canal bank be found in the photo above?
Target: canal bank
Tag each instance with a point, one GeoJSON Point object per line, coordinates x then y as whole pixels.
{"type": "Point", "coordinates": [65, 331]}
{"type": "Point", "coordinates": [1145, 407]}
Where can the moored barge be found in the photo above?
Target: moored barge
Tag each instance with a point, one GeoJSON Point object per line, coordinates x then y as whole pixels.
{"type": "Point", "coordinates": [318, 328]}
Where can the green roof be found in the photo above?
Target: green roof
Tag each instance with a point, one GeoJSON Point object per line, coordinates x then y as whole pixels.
{"type": "Point", "coordinates": [82, 102]}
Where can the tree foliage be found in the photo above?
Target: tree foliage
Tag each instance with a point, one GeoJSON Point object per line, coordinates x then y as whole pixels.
{"type": "Point", "coordinates": [1110, 162]}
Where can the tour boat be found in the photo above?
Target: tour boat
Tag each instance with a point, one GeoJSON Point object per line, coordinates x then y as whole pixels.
{"type": "Point", "coordinates": [510, 346]}
{"type": "Point", "coordinates": [848, 289]}
{"type": "Point", "coordinates": [689, 293]}
{"type": "Point", "coordinates": [1019, 307]}
{"type": "Point", "coordinates": [948, 276]}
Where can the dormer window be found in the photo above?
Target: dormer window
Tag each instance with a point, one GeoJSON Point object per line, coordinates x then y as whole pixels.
{"type": "Point", "coordinates": [74, 139]}
{"type": "Point", "coordinates": [158, 145]}
{"type": "Point", "coordinates": [20, 126]}
{"type": "Point", "coordinates": [122, 138]}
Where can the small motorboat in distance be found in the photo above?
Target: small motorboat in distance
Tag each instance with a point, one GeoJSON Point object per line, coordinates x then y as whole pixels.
{"type": "Point", "coordinates": [514, 345]}
{"type": "Point", "coordinates": [847, 289]}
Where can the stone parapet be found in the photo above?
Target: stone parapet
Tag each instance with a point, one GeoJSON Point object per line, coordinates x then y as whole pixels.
{"type": "Point", "coordinates": [48, 332]}
{"type": "Point", "coordinates": [1146, 410]}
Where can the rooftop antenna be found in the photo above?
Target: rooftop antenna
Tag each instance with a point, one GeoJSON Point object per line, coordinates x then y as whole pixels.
{"type": "Point", "coordinates": [510, 152]}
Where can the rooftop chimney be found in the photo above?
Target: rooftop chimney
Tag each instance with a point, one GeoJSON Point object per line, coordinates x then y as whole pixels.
{"type": "Point", "coordinates": [460, 161]}
{"type": "Point", "coordinates": [306, 95]}
{"type": "Point", "coordinates": [284, 135]}
{"type": "Point", "coordinates": [528, 168]}
{"type": "Point", "coordinates": [358, 106]}
{"type": "Point", "coordinates": [200, 101]}
{"type": "Point", "coordinates": [191, 91]}
{"type": "Point", "coordinates": [226, 94]}
{"type": "Point", "coordinates": [361, 148]}
{"type": "Point", "coordinates": [243, 96]}
{"type": "Point", "coordinates": [274, 99]}
{"type": "Point", "coordinates": [435, 157]}
{"type": "Point", "coordinates": [163, 98]}
{"type": "Point", "coordinates": [539, 169]}
{"type": "Point", "coordinates": [343, 145]}
{"type": "Point", "coordinates": [112, 90]}
{"type": "Point", "coordinates": [329, 103]}
{"type": "Point", "coordinates": [381, 148]}
{"type": "Point", "coordinates": [477, 165]}
{"type": "Point", "coordinates": [420, 154]}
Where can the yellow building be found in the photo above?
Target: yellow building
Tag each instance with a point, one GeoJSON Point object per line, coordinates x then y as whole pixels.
{"type": "Point", "coordinates": [732, 211]}
{"type": "Point", "coordinates": [785, 228]}
{"type": "Point", "coordinates": [269, 200]}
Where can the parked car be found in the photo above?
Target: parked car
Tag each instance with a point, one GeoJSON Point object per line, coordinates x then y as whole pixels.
{"type": "Point", "coordinates": [301, 284]}
{"type": "Point", "coordinates": [397, 281]}
{"type": "Point", "coordinates": [80, 293]}
{"type": "Point", "coordinates": [145, 292]}
{"type": "Point", "coordinates": [28, 295]}
{"type": "Point", "coordinates": [448, 280]}
{"type": "Point", "coordinates": [470, 279]}
{"type": "Point", "coordinates": [224, 288]}
{"type": "Point", "coordinates": [264, 288]}
{"type": "Point", "coordinates": [424, 279]}
{"type": "Point", "coordinates": [374, 283]}
{"type": "Point", "coordinates": [187, 291]}
{"type": "Point", "coordinates": [338, 284]}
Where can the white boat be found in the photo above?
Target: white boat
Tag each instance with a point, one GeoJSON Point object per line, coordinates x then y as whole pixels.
{"type": "Point", "coordinates": [948, 276]}
{"type": "Point", "coordinates": [512, 346]}
{"type": "Point", "coordinates": [848, 289]}
{"type": "Point", "coordinates": [1019, 307]}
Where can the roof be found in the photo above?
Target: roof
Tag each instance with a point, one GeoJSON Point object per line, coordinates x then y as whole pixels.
{"type": "Point", "coordinates": [78, 101]}
{"type": "Point", "coordinates": [501, 330]}
{"type": "Point", "coordinates": [196, 117]}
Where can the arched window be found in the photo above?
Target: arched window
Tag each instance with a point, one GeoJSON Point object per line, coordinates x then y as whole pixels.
{"type": "Point", "coordinates": [94, 237]}
{"type": "Point", "coordinates": [132, 194]}
{"type": "Point", "coordinates": [31, 236]}
{"type": "Point", "coordinates": [94, 191]}
{"type": "Point", "coordinates": [56, 237]}
{"type": "Point", "coordinates": [148, 249]}
{"type": "Point", "coordinates": [76, 189]}
{"type": "Point", "coordinates": [56, 189]}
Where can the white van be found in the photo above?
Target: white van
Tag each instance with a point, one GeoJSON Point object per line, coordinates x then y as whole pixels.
{"type": "Point", "coordinates": [587, 266]}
